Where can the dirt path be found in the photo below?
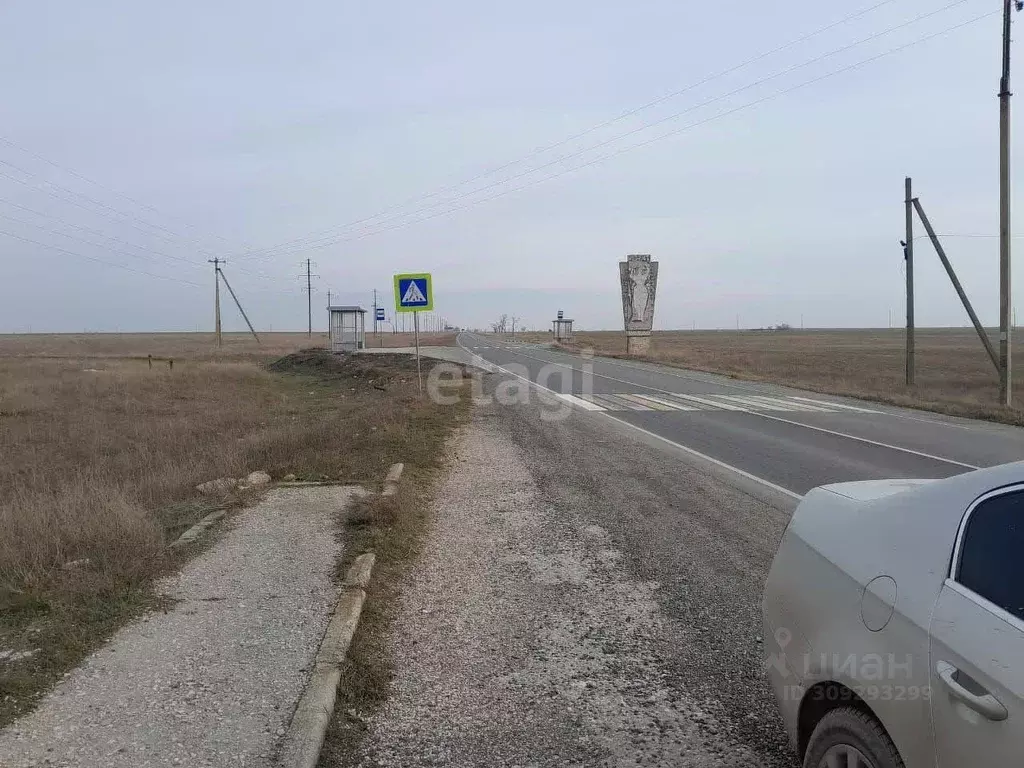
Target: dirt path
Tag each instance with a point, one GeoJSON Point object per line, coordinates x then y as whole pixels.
{"type": "Point", "coordinates": [213, 681]}
{"type": "Point", "coordinates": [523, 639]}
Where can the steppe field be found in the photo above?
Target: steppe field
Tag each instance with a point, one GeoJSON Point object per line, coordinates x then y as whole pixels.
{"type": "Point", "coordinates": [103, 447]}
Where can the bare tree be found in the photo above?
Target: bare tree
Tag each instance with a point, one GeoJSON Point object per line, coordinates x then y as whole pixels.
{"type": "Point", "coordinates": [499, 327]}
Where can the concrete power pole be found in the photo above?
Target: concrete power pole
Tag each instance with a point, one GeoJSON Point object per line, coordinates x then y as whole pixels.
{"type": "Point", "coordinates": [375, 312]}
{"type": "Point", "coordinates": [1005, 365]}
{"type": "Point", "coordinates": [216, 297]}
{"type": "Point", "coordinates": [309, 295]}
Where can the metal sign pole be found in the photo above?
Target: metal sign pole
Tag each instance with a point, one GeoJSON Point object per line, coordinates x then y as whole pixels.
{"type": "Point", "coordinates": [416, 330]}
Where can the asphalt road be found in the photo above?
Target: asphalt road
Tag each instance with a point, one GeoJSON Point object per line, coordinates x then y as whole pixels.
{"type": "Point", "coordinates": [694, 478]}
{"type": "Point", "coordinates": [789, 438]}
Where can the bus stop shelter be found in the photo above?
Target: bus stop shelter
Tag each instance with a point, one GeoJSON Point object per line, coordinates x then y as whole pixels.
{"type": "Point", "coordinates": [347, 328]}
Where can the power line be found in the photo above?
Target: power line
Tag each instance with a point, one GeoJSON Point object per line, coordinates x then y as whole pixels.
{"type": "Point", "coordinates": [90, 230]}
{"type": "Point", "coordinates": [106, 188]}
{"type": "Point", "coordinates": [133, 221]}
{"type": "Point", "coordinates": [675, 132]}
{"type": "Point", "coordinates": [622, 116]}
{"type": "Point", "coordinates": [98, 260]}
{"type": "Point", "coordinates": [82, 195]}
{"type": "Point", "coordinates": [327, 242]}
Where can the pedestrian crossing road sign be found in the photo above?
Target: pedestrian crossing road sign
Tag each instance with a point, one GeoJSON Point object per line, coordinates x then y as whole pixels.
{"type": "Point", "coordinates": [413, 293]}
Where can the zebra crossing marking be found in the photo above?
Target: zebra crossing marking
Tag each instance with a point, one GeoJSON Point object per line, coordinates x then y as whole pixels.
{"type": "Point", "coordinates": [677, 401]}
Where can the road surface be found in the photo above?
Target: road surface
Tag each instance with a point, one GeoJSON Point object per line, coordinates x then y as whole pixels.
{"type": "Point", "coordinates": [788, 438]}
{"type": "Point", "coordinates": [694, 477]}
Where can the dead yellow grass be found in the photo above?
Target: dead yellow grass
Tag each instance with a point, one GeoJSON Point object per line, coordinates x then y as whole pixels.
{"type": "Point", "coordinates": [187, 346]}
{"type": "Point", "coordinates": [954, 374]}
{"type": "Point", "coordinates": [179, 346]}
{"type": "Point", "coordinates": [101, 456]}
{"type": "Point", "coordinates": [394, 340]}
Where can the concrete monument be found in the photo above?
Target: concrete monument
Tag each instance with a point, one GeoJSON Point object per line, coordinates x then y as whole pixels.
{"type": "Point", "coordinates": [639, 278]}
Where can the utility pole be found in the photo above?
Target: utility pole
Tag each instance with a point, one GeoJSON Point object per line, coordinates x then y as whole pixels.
{"type": "Point", "coordinates": [374, 311]}
{"type": "Point", "coordinates": [216, 297]}
{"type": "Point", "coordinates": [309, 295]}
{"type": "Point", "coordinates": [908, 255]}
{"type": "Point", "coordinates": [1005, 367]}
{"type": "Point", "coordinates": [307, 277]}
{"type": "Point", "coordinates": [239, 305]}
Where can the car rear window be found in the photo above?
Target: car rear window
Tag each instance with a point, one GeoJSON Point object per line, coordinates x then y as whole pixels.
{"type": "Point", "coordinates": [992, 553]}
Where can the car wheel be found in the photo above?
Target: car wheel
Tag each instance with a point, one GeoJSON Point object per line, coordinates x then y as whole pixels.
{"type": "Point", "coordinates": [848, 738]}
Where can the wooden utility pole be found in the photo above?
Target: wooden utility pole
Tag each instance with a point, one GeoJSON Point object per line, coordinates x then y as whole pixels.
{"type": "Point", "coordinates": [1005, 366]}
{"type": "Point", "coordinates": [908, 255]}
{"type": "Point", "coordinates": [216, 297]}
{"type": "Point", "coordinates": [985, 341]}
{"type": "Point", "coordinates": [239, 305]}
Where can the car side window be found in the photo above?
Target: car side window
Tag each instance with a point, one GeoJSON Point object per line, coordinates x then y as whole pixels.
{"type": "Point", "coordinates": [992, 552]}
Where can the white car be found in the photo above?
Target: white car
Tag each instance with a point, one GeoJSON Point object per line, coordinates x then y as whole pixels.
{"type": "Point", "coordinates": [894, 623]}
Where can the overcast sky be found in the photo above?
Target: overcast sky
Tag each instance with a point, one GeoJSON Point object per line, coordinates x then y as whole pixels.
{"type": "Point", "coordinates": [161, 135]}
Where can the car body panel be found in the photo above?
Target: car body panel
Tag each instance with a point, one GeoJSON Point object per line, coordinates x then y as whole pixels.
{"type": "Point", "coordinates": [986, 648]}
{"type": "Point", "coordinates": [842, 537]}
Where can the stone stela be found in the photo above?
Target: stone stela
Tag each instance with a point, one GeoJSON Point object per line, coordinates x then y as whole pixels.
{"type": "Point", "coordinates": [639, 278]}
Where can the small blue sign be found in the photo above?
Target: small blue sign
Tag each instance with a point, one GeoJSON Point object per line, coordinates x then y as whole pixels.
{"type": "Point", "coordinates": [380, 313]}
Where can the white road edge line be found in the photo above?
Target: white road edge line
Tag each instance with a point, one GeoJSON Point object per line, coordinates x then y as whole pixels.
{"type": "Point", "coordinates": [711, 460]}
{"type": "Point", "coordinates": [871, 442]}
{"type": "Point", "coordinates": [685, 449]}
{"type": "Point", "coordinates": [770, 417]}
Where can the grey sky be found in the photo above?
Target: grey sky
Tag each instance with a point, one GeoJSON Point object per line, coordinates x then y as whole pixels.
{"type": "Point", "coordinates": [249, 124]}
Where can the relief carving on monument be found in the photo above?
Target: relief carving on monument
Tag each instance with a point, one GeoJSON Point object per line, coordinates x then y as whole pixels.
{"type": "Point", "coordinates": [639, 279]}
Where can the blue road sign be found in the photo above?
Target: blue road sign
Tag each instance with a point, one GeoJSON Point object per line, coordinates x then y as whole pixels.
{"type": "Point", "coordinates": [413, 293]}
{"type": "Point", "coordinates": [380, 313]}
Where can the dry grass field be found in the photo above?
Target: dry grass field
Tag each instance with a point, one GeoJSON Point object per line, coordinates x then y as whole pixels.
{"type": "Point", "coordinates": [954, 374]}
{"type": "Point", "coordinates": [102, 454]}
{"type": "Point", "coordinates": [187, 346]}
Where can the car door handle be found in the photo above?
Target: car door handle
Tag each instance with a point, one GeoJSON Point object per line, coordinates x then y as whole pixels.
{"type": "Point", "coordinates": [987, 704]}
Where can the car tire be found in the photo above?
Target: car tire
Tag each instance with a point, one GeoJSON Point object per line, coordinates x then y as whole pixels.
{"type": "Point", "coordinates": [847, 728]}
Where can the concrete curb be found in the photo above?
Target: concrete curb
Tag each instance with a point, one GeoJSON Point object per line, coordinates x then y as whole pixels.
{"type": "Point", "coordinates": [196, 530]}
{"type": "Point", "coordinates": [391, 481]}
{"type": "Point", "coordinates": [305, 737]}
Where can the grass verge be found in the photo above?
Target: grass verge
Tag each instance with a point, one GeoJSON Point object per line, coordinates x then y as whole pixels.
{"type": "Point", "coordinates": [393, 527]}
{"type": "Point", "coordinates": [101, 460]}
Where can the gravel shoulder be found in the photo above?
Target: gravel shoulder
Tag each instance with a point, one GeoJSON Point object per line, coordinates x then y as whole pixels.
{"type": "Point", "coordinates": [214, 679]}
{"type": "Point", "coordinates": [541, 627]}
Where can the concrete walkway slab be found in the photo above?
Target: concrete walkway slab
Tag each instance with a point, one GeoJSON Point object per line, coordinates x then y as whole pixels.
{"type": "Point", "coordinates": [214, 681]}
